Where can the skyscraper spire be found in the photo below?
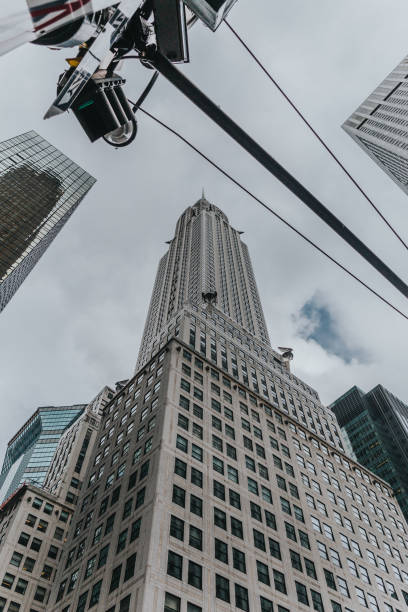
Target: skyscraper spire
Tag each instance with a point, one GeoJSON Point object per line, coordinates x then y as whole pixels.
{"type": "Point", "coordinates": [206, 257]}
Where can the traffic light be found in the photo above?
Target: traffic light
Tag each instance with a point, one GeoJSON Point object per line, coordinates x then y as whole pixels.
{"type": "Point", "coordinates": [103, 111]}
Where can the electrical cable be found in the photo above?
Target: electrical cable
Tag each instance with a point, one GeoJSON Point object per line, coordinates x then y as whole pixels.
{"type": "Point", "coordinates": [237, 133]}
{"type": "Point", "coordinates": [269, 209]}
{"type": "Point", "coordinates": [315, 133]}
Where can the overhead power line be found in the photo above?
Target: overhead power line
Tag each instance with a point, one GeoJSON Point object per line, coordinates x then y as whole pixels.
{"type": "Point", "coordinates": [315, 133]}
{"type": "Point", "coordinates": [191, 91]}
{"type": "Point", "coordinates": [269, 209]}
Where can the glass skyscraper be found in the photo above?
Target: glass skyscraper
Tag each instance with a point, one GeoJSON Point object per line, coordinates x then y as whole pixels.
{"type": "Point", "coordinates": [218, 481]}
{"type": "Point", "coordinates": [39, 190]}
{"type": "Point", "coordinates": [30, 452]}
{"type": "Point", "coordinates": [376, 424]}
{"type": "Point", "coordinates": [380, 125]}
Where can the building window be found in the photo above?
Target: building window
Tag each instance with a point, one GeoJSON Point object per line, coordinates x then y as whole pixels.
{"type": "Point", "coordinates": [8, 581]}
{"type": "Point", "coordinates": [279, 581]}
{"type": "Point", "coordinates": [221, 550]}
{"type": "Point", "coordinates": [241, 598]}
{"type": "Point", "coordinates": [90, 567]}
{"type": "Point", "coordinates": [310, 569]}
{"type": "Point", "coordinates": [109, 525]}
{"type": "Point", "coordinates": [135, 529]}
{"type": "Point", "coordinates": [330, 579]}
{"type": "Point", "coordinates": [28, 564]}
{"type": "Point", "coordinates": [234, 499]}
{"type": "Point", "coordinates": [179, 496]}
{"type": "Point", "coordinates": [171, 603]}
{"type": "Point", "coordinates": [47, 572]}
{"type": "Point", "coordinates": [130, 567]}
{"type": "Point", "coordinates": [21, 586]}
{"type": "Point", "coordinates": [16, 559]}
{"type": "Point", "coordinates": [193, 608]}
{"type": "Point", "coordinates": [196, 477]}
{"type": "Point", "coordinates": [317, 601]}
{"type": "Point", "coordinates": [103, 555]}
{"type": "Point", "coordinates": [197, 452]}
{"type": "Point", "coordinates": [24, 538]}
{"type": "Point", "coordinates": [177, 528]}
{"type": "Point", "coordinates": [290, 532]}
{"type": "Point", "coordinates": [175, 565]}
{"type": "Point", "coordinates": [301, 592]}
{"type": "Point", "coordinates": [82, 602]}
{"type": "Point", "coordinates": [195, 575]}
{"type": "Point", "coordinates": [218, 465]}
{"type": "Point", "coordinates": [266, 605]}
{"type": "Point", "coordinates": [196, 537]}
{"type": "Point", "coordinates": [304, 539]}
{"type": "Point", "coordinates": [40, 594]}
{"type": "Point", "coordinates": [270, 520]}
{"type": "Point", "coordinates": [263, 573]}
{"type": "Point", "coordinates": [95, 593]}
{"type": "Point", "coordinates": [222, 589]}
{"type": "Point", "coordinates": [196, 505]}
{"type": "Point", "coordinates": [219, 490]}
{"type": "Point", "coordinates": [121, 541]}
{"type": "Point", "coordinates": [236, 528]}
{"type": "Point", "coordinates": [115, 578]}
{"type": "Point", "coordinates": [124, 605]}
{"type": "Point", "coordinates": [296, 561]}
{"type": "Point", "coordinates": [259, 540]}
{"type": "Point", "coordinates": [220, 518]}
{"type": "Point", "coordinates": [182, 443]}
{"type": "Point", "coordinates": [140, 497]}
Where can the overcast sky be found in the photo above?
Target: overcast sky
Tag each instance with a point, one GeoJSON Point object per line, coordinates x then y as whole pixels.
{"type": "Point", "coordinates": [76, 322]}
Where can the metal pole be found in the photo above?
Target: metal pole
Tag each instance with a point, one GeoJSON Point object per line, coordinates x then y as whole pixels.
{"type": "Point", "coordinates": [191, 91]}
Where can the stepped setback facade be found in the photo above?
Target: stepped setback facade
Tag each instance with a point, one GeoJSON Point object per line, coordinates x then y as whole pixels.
{"type": "Point", "coordinates": [218, 480]}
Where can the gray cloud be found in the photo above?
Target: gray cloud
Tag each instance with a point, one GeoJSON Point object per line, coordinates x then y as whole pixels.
{"type": "Point", "coordinates": [317, 322]}
{"type": "Point", "coordinates": [76, 323]}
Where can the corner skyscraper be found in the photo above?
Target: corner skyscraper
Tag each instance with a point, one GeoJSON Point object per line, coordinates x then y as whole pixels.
{"type": "Point", "coordinates": [376, 424]}
{"type": "Point", "coordinates": [39, 190]}
{"type": "Point", "coordinates": [218, 481]}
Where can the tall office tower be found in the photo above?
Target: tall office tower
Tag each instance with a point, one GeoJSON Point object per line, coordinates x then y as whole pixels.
{"type": "Point", "coordinates": [33, 527]}
{"type": "Point", "coordinates": [376, 424]}
{"type": "Point", "coordinates": [30, 452]}
{"type": "Point", "coordinates": [34, 520]}
{"type": "Point", "coordinates": [218, 480]}
{"type": "Point", "coordinates": [70, 461]}
{"type": "Point", "coordinates": [380, 125]}
{"type": "Point", "coordinates": [39, 190]}
{"type": "Point", "coordinates": [206, 260]}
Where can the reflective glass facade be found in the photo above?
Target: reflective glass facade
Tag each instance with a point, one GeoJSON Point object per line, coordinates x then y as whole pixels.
{"type": "Point", "coordinates": [380, 125]}
{"type": "Point", "coordinates": [30, 452]}
{"type": "Point", "coordinates": [376, 424]}
{"type": "Point", "coordinates": [39, 190]}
